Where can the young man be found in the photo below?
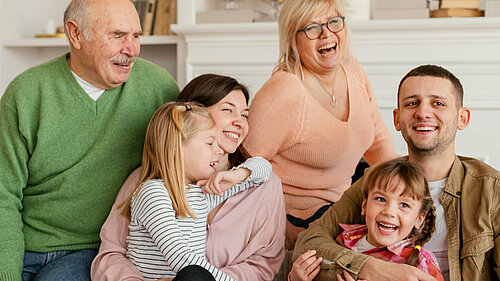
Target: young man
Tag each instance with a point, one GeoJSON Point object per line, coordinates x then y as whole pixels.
{"type": "Point", "coordinates": [71, 130]}
{"type": "Point", "coordinates": [466, 192]}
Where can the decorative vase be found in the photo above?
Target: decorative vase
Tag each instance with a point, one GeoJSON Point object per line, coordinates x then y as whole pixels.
{"type": "Point", "coordinates": [231, 4]}
{"type": "Point", "coordinates": [276, 8]}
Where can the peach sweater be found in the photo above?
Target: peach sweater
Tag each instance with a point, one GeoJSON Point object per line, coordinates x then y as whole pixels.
{"type": "Point", "coordinates": [314, 153]}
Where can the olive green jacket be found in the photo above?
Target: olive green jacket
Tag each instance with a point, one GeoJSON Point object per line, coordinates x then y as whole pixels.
{"type": "Point", "coordinates": [471, 201]}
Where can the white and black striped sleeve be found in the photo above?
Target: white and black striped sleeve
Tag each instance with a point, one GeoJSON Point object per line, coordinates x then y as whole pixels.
{"type": "Point", "coordinates": [260, 170]}
{"type": "Point", "coordinates": [153, 209]}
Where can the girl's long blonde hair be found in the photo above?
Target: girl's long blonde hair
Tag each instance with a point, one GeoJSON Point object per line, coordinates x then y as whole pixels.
{"type": "Point", "coordinates": [162, 158]}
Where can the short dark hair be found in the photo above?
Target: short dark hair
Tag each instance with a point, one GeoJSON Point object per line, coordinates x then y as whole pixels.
{"type": "Point", "coordinates": [437, 71]}
{"type": "Point", "coordinates": [209, 89]}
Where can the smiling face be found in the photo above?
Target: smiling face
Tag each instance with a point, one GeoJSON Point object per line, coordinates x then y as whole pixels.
{"type": "Point", "coordinates": [428, 115]}
{"type": "Point", "coordinates": [390, 216]}
{"type": "Point", "coordinates": [106, 60]}
{"type": "Point", "coordinates": [201, 155]}
{"type": "Point", "coordinates": [325, 53]}
{"type": "Point", "coordinates": [231, 117]}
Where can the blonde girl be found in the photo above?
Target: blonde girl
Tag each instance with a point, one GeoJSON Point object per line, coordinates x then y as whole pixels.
{"type": "Point", "coordinates": [169, 208]}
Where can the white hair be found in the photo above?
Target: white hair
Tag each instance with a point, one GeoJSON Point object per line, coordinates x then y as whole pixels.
{"type": "Point", "coordinates": [79, 12]}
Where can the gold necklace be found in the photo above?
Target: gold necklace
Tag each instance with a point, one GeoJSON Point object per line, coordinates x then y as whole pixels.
{"type": "Point", "coordinates": [333, 101]}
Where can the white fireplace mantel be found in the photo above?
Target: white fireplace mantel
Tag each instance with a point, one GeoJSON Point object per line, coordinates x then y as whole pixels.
{"type": "Point", "coordinates": [387, 49]}
{"type": "Point", "coordinates": [450, 26]}
{"type": "Point", "coordinates": [381, 46]}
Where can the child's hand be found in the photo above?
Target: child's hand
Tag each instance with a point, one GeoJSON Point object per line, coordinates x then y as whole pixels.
{"type": "Point", "coordinates": [222, 181]}
{"type": "Point", "coordinates": [306, 267]}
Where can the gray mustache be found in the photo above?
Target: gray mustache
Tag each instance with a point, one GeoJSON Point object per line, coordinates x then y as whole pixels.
{"type": "Point", "coordinates": [123, 59]}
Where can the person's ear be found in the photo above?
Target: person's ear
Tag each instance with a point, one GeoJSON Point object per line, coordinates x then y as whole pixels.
{"type": "Point", "coordinates": [74, 34]}
{"type": "Point", "coordinates": [420, 220]}
{"type": "Point", "coordinates": [363, 207]}
{"type": "Point", "coordinates": [463, 118]}
{"type": "Point", "coordinates": [395, 115]}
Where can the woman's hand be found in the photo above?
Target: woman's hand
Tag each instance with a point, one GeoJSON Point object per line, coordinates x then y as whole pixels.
{"type": "Point", "coordinates": [347, 276]}
{"type": "Point", "coordinates": [222, 181]}
{"type": "Point", "coordinates": [306, 267]}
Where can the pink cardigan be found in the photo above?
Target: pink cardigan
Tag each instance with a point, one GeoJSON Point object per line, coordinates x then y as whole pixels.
{"type": "Point", "coordinates": [245, 239]}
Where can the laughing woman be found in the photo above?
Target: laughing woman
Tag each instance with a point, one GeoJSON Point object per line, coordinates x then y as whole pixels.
{"type": "Point", "coordinates": [245, 234]}
{"type": "Point", "coordinates": [316, 116]}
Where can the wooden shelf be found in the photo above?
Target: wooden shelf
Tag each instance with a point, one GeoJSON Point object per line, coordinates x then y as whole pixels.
{"type": "Point", "coordinates": [63, 42]}
{"type": "Point", "coordinates": [439, 24]}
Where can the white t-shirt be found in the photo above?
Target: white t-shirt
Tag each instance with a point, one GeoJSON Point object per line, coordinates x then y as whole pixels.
{"type": "Point", "coordinates": [439, 240]}
{"type": "Point", "coordinates": [363, 245]}
{"type": "Point", "coordinates": [90, 89]}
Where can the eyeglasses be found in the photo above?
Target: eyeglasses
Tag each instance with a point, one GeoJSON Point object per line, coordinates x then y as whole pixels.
{"type": "Point", "coordinates": [314, 30]}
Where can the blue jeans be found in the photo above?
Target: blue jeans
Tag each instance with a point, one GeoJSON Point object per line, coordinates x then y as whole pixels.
{"type": "Point", "coordinates": [58, 265]}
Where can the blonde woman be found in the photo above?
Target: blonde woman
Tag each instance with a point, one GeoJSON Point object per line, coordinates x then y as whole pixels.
{"type": "Point", "coordinates": [316, 117]}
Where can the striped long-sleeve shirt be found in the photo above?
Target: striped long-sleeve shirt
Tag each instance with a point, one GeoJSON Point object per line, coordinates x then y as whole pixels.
{"type": "Point", "coordinates": [160, 244]}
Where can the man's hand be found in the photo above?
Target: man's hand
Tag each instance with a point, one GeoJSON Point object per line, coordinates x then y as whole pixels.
{"type": "Point", "coordinates": [347, 277]}
{"type": "Point", "coordinates": [306, 267]}
{"type": "Point", "coordinates": [375, 269]}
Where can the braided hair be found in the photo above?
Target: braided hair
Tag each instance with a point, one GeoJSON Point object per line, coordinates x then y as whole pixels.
{"type": "Point", "coordinates": [416, 186]}
{"type": "Point", "coordinates": [423, 236]}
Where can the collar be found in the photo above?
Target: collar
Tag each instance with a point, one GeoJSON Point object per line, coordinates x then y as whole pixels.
{"type": "Point", "coordinates": [353, 232]}
{"type": "Point", "coordinates": [454, 184]}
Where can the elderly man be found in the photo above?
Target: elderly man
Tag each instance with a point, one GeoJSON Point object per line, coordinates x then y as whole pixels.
{"type": "Point", "coordinates": [71, 130]}
{"type": "Point", "coordinates": [466, 192]}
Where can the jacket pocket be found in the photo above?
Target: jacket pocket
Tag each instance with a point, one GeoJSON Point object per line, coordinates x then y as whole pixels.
{"type": "Point", "coordinates": [474, 257]}
{"type": "Point", "coordinates": [477, 245]}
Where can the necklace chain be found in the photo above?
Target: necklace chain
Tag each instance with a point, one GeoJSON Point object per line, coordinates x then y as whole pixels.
{"type": "Point", "coordinates": [333, 101]}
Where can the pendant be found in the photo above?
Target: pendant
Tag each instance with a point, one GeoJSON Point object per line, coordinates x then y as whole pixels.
{"type": "Point", "coordinates": [333, 102]}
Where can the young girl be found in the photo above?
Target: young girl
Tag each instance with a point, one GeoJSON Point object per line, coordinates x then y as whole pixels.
{"type": "Point", "coordinates": [399, 216]}
{"type": "Point", "coordinates": [169, 209]}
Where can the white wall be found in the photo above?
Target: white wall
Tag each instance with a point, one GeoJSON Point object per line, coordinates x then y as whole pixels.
{"type": "Point", "coordinates": [24, 19]}
{"type": "Point", "coordinates": [470, 48]}
{"type": "Point", "coordinates": [1, 32]}
{"type": "Point", "coordinates": [20, 20]}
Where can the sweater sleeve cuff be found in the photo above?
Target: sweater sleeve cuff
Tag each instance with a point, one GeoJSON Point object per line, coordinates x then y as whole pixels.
{"type": "Point", "coordinates": [10, 276]}
{"type": "Point", "coordinates": [260, 169]}
{"type": "Point", "coordinates": [350, 262]}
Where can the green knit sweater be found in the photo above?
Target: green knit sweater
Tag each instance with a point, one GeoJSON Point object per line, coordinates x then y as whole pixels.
{"type": "Point", "coordinates": [64, 156]}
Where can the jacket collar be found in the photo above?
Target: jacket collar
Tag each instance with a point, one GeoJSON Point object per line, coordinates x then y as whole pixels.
{"type": "Point", "coordinates": [454, 183]}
